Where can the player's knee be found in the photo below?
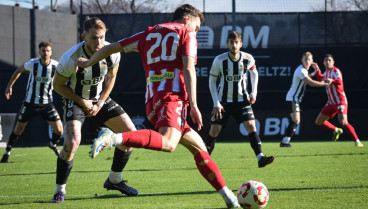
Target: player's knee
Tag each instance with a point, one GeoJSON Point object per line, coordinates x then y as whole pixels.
{"type": "Point", "coordinates": [170, 147]}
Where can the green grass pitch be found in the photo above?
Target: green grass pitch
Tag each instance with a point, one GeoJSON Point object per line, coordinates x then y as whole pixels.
{"type": "Point", "coordinates": [309, 175]}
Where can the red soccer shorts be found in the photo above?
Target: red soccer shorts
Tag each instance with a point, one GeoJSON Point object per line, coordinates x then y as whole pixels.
{"type": "Point", "coordinates": [168, 111]}
{"type": "Point", "coordinates": [332, 109]}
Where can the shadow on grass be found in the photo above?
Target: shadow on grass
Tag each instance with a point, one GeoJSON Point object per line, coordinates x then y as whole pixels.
{"type": "Point", "coordinates": [111, 196]}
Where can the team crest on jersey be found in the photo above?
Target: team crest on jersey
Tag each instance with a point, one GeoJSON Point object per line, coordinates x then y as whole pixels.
{"type": "Point", "coordinates": [241, 67]}
{"type": "Point", "coordinates": [227, 70]}
{"type": "Point", "coordinates": [103, 65]}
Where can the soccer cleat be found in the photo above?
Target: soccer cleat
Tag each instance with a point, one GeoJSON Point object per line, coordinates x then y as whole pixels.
{"type": "Point", "coordinates": [233, 203]}
{"type": "Point", "coordinates": [103, 141]}
{"type": "Point", "coordinates": [58, 197]}
{"type": "Point", "coordinates": [336, 134]}
{"type": "Point", "coordinates": [265, 161]}
{"type": "Point", "coordinates": [5, 158]}
{"type": "Point", "coordinates": [54, 148]}
{"type": "Point", "coordinates": [288, 145]}
{"type": "Point", "coordinates": [121, 186]}
{"type": "Point", "coordinates": [358, 144]}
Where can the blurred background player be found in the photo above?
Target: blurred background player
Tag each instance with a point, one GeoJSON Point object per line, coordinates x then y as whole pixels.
{"type": "Point", "coordinates": [294, 97]}
{"type": "Point", "coordinates": [168, 52]}
{"type": "Point", "coordinates": [86, 94]}
{"type": "Point", "coordinates": [231, 97]}
{"type": "Point", "coordinates": [337, 102]}
{"type": "Point", "coordinates": [38, 99]}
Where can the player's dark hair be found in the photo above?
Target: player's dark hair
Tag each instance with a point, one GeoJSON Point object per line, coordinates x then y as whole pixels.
{"type": "Point", "coordinates": [187, 9]}
{"type": "Point", "coordinates": [44, 44]}
{"type": "Point", "coordinates": [233, 35]}
{"type": "Point", "coordinates": [93, 22]}
{"type": "Point", "coordinates": [329, 55]}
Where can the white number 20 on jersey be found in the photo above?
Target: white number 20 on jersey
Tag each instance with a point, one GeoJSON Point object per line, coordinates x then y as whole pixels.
{"type": "Point", "coordinates": [163, 43]}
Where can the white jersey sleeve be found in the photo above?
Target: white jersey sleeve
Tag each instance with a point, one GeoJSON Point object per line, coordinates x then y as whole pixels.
{"type": "Point", "coordinates": [216, 67]}
{"type": "Point", "coordinates": [65, 66]}
{"type": "Point", "coordinates": [28, 66]}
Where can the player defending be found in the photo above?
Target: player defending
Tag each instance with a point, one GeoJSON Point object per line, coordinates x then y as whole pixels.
{"type": "Point", "coordinates": [86, 94]}
{"type": "Point", "coordinates": [337, 102]}
{"type": "Point", "coordinates": [168, 53]}
{"type": "Point", "coordinates": [38, 99]}
{"type": "Point", "coordinates": [232, 97]}
{"type": "Point", "coordinates": [294, 97]}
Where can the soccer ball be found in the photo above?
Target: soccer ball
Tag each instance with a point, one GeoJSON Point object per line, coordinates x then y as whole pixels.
{"type": "Point", "coordinates": [253, 194]}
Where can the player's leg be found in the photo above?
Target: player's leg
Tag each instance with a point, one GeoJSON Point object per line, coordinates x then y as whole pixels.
{"type": "Point", "coordinates": [13, 139]}
{"type": "Point", "coordinates": [65, 160]}
{"type": "Point", "coordinates": [50, 114]}
{"type": "Point", "coordinates": [207, 167]}
{"type": "Point", "coordinates": [74, 117]}
{"type": "Point", "coordinates": [25, 114]}
{"type": "Point", "coordinates": [243, 113]}
{"type": "Point", "coordinates": [343, 119]}
{"type": "Point", "coordinates": [326, 113]}
{"type": "Point", "coordinates": [294, 121]}
{"type": "Point", "coordinates": [212, 136]}
{"type": "Point", "coordinates": [57, 128]}
{"type": "Point", "coordinates": [119, 124]}
{"type": "Point", "coordinates": [256, 144]}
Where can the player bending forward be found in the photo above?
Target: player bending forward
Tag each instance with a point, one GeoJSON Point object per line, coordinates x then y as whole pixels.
{"type": "Point", "coordinates": [168, 52]}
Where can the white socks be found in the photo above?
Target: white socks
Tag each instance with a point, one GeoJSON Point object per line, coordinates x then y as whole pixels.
{"type": "Point", "coordinates": [226, 194]}
{"type": "Point", "coordinates": [259, 156]}
{"type": "Point", "coordinates": [286, 140]}
{"type": "Point", "coordinates": [60, 188]}
{"type": "Point", "coordinates": [115, 177]}
{"type": "Point", "coordinates": [117, 139]}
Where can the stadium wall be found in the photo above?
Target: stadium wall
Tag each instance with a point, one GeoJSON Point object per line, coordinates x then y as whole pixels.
{"type": "Point", "coordinates": [275, 40]}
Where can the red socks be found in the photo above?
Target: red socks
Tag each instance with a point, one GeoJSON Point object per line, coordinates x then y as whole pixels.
{"type": "Point", "coordinates": [351, 131]}
{"type": "Point", "coordinates": [144, 138]}
{"type": "Point", "coordinates": [209, 170]}
{"type": "Point", "coordinates": [329, 126]}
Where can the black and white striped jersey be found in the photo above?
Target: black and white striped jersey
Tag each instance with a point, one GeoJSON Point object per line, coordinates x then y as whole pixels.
{"type": "Point", "coordinates": [298, 86]}
{"type": "Point", "coordinates": [39, 87]}
{"type": "Point", "coordinates": [86, 82]}
{"type": "Point", "coordinates": [233, 77]}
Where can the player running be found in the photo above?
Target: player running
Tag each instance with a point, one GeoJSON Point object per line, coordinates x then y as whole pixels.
{"type": "Point", "coordinates": [337, 102]}
{"type": "Point", "coordinates": [168, 52]}
{"type": "Point", "coordinates": [38, 99]}
{"type": "Point", "coordinates": [231, 97]}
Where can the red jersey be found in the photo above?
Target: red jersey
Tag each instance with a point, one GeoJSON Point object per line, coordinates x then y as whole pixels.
{"type": "Point", "coordinates": [161, 49]}
{"type": "Point", "coordinates": [335, 92]}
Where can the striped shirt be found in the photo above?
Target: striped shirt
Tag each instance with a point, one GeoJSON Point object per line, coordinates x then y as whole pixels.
{"type": "Point", "coordinates": [298, 86]}
{"type": "Point", "coordinates": [86, 82]}
{"type": "Point", "coordinates": [39, 87]}
{"type": "Point", "coordinates": [335, 92]}
{"type": "Point", "coordinates": [233, 77]}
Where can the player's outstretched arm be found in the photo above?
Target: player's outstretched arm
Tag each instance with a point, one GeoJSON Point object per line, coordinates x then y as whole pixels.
{"type": "Point", "coordinates": [97, 56]}
{"type": "Point", "coordinates": [13, 79]}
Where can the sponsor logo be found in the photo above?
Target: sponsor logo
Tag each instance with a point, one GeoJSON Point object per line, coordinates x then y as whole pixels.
{"type": "Point", "coordinates": [161, 77]}
{"type": "Point", "coordinates": [43, 79]}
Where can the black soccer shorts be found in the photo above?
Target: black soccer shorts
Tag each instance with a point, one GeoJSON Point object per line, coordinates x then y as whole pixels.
{"type": "Point", "coordinates": [29, 110]}
{"type": "Point", "coordinates": [241, 111]}
{"type": "Point", "coordinates": [72, 111]}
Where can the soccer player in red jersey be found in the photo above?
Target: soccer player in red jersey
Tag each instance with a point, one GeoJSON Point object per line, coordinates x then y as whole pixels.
{"type": "Point", "coordinates": [337, 102]}
{"type": "Point", "coordinates": [168, 52]}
